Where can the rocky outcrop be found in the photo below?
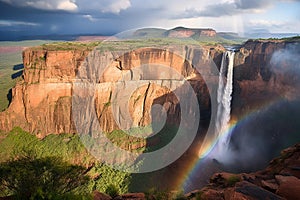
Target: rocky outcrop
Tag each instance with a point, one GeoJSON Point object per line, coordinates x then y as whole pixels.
{"type": "Point", "coordinates": [280, 180]}
{"type": "Point", "coordinates": [42, 102]}
{"type": "Point", "coordinates": [265, 71]}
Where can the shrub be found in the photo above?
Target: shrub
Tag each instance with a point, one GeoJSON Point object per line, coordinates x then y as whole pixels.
{"type": "Point", "coordinates": [112, 190]}
{"type": "Point", "coordinates": [28, 177]}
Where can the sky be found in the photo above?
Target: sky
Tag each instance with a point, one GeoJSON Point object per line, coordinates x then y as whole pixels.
{"type": "Point", "coordinates": [108, 17]}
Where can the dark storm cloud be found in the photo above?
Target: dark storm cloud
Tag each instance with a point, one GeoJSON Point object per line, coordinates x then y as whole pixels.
{"type": "Point", "coordinates": [104, 17]}
{"type": "Point", "coordinates": [113, 6]}
{"type": "Point", "coordinates": [40, 17]}
{"type": "Point", "coordinates": [23, 20]}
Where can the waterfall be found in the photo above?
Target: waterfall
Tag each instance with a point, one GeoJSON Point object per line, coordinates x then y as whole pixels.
{"type": "Point", "coordinates": [224, 93]}
{"type": "Point", "coordinates": [220, 141]}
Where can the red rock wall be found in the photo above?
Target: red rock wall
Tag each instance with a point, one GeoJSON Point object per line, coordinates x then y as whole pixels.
{"type": "Point", "coordinates": [257, 83]}
{"type": "Point", "coordinates": [42, 102]}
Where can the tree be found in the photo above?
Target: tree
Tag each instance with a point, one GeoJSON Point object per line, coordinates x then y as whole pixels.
{"type": "Point", "coordinates": [28, 177]}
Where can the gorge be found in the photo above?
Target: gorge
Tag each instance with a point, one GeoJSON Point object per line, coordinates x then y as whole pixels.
{"type": "Point", "coordinates": [264, 91]}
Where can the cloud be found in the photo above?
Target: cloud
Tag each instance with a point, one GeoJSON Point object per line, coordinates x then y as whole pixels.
{"type": "Point", "coordinates": [16, 23]}
{"type": "Point", "coordinates": [261, 23]}
{"type": "Point", "coordinates": [105, 6]}
{"type": "Point", "coordinates": [90, 18]}
{"type": "Point", "coordinates": [117, 6]}
{"type": "Point", "coordinates": [253, 4]}
{"type": "Point", "coordinates": [66, 5]}
{"type": "Point", "coordinates": [112, 16]}
{"type": "Point", "coordinates": [215, 10]}
{"type": "Point", "coordinates": [230, 8]}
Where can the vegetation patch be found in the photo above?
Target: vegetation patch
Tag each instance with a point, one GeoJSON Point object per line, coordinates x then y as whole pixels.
{"type": "Point", "coordinates": [28, 177]}
{"type": "Point", "coordinates": [67, 149]}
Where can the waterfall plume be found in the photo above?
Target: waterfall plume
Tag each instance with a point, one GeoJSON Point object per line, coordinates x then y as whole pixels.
{"type": "Point", "coordinates": [224, 93]}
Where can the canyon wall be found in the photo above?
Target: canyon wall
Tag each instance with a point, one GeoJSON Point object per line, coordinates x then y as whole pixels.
{"type": "Point", "coordinates": [42, 102]}
{"type": "Point", "coordinates": [265, 71]}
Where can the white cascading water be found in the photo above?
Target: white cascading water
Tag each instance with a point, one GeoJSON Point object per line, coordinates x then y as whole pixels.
{"type": "Point", "coordinates": [224, 96]}
{"type": "Point", "coordinates": [225, 89]}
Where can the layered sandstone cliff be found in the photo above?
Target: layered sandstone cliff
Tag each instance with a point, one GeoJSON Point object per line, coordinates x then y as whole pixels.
{"type": "Point", "coordinates": [42, 103]}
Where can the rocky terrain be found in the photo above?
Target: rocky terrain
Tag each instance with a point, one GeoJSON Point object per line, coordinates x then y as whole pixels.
{"type": "Point", "coordinates": [280, 180]}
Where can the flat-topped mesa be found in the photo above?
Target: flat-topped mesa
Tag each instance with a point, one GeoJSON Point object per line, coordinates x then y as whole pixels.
{"type": "Point", "coordinates": [181, 32]}
{"type": "Point", "coordinates": [42, 102]}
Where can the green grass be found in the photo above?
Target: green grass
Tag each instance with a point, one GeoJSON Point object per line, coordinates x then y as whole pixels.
{"type": "Point", "coordinates": [131, 44]}
{"type": "Point", "coordinates": [292, 39]}
{"type": "Point", "coordinates": [7, 62]}
{"type": "Point", "coordinates": [70, 149]}
{"type": "Point", "coordinates": [126, 139]}
{"type": "Point", "coordinates": [68, 46]}
{"type": "Point", "coordinates": [66, 146]}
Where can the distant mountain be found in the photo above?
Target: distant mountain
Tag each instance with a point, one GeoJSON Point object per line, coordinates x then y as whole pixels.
{"type": "Point", "coordinates": [207, 35]}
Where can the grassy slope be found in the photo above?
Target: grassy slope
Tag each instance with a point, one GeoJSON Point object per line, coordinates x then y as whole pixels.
{"type": "Point", "coordinates": [7, 62]}
{"type": "Point", "coordinates": [70, 149]}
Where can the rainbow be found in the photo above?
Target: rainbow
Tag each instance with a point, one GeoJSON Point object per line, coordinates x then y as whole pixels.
{"type": "Point", "coordinates": [192, 168]}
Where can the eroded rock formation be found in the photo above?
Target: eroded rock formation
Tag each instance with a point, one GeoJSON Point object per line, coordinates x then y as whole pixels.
{"type": "Point", "coordinates": [42, 102]}
{"type": "Point", "coordinates": [265, 71]}
{"type": "Point", "coordinates": [280, 180]}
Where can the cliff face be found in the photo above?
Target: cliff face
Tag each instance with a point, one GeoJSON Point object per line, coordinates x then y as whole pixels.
{"type": "Point", "coordinates": [42, 102]}
{"type": "Point", "coordinates": [265, 71]}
